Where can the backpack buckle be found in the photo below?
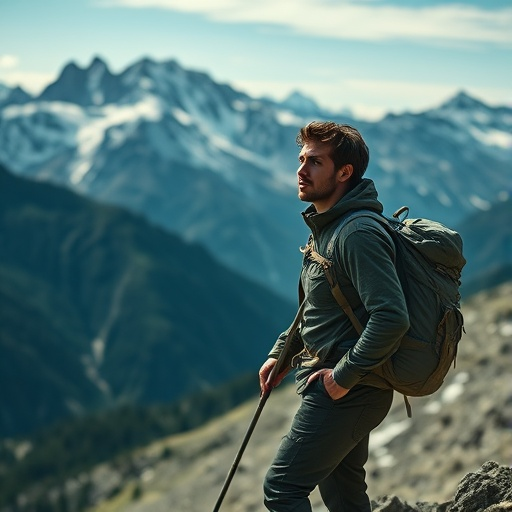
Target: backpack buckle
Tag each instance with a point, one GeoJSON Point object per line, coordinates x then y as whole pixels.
{"type": "Point", "coordinates": [404, 210]}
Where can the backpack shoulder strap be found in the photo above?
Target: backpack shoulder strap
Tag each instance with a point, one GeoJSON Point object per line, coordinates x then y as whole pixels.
{"type": "Point", "coordinates": [327, 263]}
{"type": "Point", "coordinates": [346, 219]}
{"type": "Point", "coordinates": [331, 275]}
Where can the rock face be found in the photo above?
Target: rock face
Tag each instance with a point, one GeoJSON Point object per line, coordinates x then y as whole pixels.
{"type": "Point", "coordinates": [487, 490]}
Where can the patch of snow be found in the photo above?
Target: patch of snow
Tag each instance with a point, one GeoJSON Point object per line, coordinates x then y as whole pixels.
{"type": "Point", "coordinates": [80, 169]}
{"type": "Point", "coordinates": [147, 475]}
{"type": "Point", "coordinates": [145, 83]}
{"type": "Point", "coordinates": [470, 317]}
{"type": "Point", "coordinates": [479, 203]}
{"type": "Point", "coordinates": [22, 449]}
{"type": "Point", "coordinates": [91, 134]}
{"type": "Point", "coordinates": [35, 132]}
{"type": "Point", "coordinates": [432, 407]}
{"type": "Point", "coordinates": [225, 145]}
{"type": "Point", "coordinates": [118, 134]}
{"type": "Point", "coordinates": [384, 458]}
{"type": "Point", "coordinates": [422, 190]}
{"type": "Point", "coordinates": [238, 105]}
{"type": "Point", "coordinates": [98, 350]}
{"type": "Point", "coordinates": [451, 392]}
{"type": "Point", "coordinates": [92, 373]}
{"type": "Point", "coordinates": [182, 117]}
{"type": "Point", "coordinates": [492, 137]}
{"type": "Point", "coordinates": [505, 329]}
{"type": "Point", "coordinates": [482, 117]}
{"type": "Point", "coordinates": [443, 198]}
{"type": "Point", "coordinates": [382, 437]}
{"type": "Point", "coordinates": [287, 118]}
{"type": "Point", "coordinates": [68, 111]}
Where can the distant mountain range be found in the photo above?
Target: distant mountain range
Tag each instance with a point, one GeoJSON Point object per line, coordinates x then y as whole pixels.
{"type": "Point", "coordinates": [99, 308]}
{"type": "Point", "coordinates": [217, 167]}
{"type": "Point", "coordinates": [197, 252]}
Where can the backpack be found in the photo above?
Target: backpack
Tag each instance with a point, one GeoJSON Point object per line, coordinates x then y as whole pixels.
{"type": "Point", "coordinates": [429, 262]}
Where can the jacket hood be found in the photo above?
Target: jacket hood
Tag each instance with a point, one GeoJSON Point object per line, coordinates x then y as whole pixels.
{"type": "Point", "coordinates": [362, 197]}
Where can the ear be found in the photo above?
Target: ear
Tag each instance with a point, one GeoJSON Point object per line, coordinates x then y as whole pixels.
{"type": "Point", "coordinates": [345, 173]}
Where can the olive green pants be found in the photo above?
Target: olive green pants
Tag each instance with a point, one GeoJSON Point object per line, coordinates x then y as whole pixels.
{"type": "Point", "coordinates": [327, 446]}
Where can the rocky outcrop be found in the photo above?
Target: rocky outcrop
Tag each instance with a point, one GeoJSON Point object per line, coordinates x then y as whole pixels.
{"type": "Point", "coordinates": [487, 490]}
{"type": "Point", "coordinates": [490, 488]}
{"type": "Point", "coordinates": [395, 504]}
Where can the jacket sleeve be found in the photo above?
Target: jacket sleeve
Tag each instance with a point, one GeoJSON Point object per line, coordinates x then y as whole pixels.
{"type": "Point", "coordinates": [296, 347]}
{"type": "Point", "coordinates": [367, 255]}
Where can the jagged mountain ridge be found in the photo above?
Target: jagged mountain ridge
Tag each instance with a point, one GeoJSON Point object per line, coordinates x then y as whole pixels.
{"type": "Point", "coordinates": [165, 152]}
{"type": "Point", "coordinates": [13, 96]}
{"type": "Point", "coordinates": [217, 166]}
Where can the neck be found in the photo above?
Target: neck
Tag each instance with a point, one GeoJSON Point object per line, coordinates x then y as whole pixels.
{"type": "Point", "coordinates": [326, 204]}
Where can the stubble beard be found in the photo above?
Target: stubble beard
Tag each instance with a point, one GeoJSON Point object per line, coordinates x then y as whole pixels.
{"type": "Point", "coordinates": [312, 195]}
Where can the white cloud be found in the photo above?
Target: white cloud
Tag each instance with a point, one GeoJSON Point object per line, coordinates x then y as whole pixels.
{"type": "Point", "coordinates": [372, 98]}
{"type": "Point", "coordinates": [401, 90]}
{"type": "Point", "coordinates": [355, 20]}
{"type": "Point", "coordinates": [12, 76]}
{"type": "Point", "coordinates": [369, 99]}
{"type": "Point", "coordinates": [402, 93]}
{"type": "Point", "coordinates": [8, 61]}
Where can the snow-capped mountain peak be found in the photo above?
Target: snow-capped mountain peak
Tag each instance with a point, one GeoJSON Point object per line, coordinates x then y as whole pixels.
{"type": "Point", "coordinates": [297, 101]}
{"type": "Point", "coordinates": [218, 166]}
{"type": "Point", "coordinates": [492, 126]}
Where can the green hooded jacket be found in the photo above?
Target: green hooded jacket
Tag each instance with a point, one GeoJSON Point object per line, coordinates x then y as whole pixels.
{"type": "Point", "coordinates": [364, 262]}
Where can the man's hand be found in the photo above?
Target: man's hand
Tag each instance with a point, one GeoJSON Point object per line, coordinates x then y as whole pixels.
{"type": "Point", "coordinates": [265, 370]}
{"type": "Point", "coordinates": [334, 390]}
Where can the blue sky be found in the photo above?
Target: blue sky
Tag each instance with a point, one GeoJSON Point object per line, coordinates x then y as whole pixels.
{"type": "Point", "coordinates": [372, 56]}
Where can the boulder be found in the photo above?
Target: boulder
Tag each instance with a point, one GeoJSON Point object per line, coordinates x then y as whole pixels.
{"type": "Point", "coordinates": [487, 490]}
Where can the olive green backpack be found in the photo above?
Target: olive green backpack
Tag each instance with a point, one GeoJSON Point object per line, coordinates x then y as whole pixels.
{"type": "Point", "coordinates": [429, 262]}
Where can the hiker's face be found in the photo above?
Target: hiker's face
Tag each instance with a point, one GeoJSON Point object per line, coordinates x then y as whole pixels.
{"type": "Point", "coordinates": [318, 180]}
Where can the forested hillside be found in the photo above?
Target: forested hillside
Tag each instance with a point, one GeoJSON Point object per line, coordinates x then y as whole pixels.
{"type": "Point", "coordinates": [99, 308]}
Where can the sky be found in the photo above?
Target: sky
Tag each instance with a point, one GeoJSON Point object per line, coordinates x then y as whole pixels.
{"type": "Point", "coordinates": [371, 56]}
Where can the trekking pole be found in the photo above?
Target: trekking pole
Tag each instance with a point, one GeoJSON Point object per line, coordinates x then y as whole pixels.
{"type": "Point", "coordinates": [263, 399]}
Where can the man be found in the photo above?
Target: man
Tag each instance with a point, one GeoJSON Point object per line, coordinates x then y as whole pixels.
{"type": "Point", "coordinates": [327, 445]}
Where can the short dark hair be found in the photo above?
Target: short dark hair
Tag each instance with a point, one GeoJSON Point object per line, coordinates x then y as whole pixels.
{"type": "Point", "coordinates": [347, 145]}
